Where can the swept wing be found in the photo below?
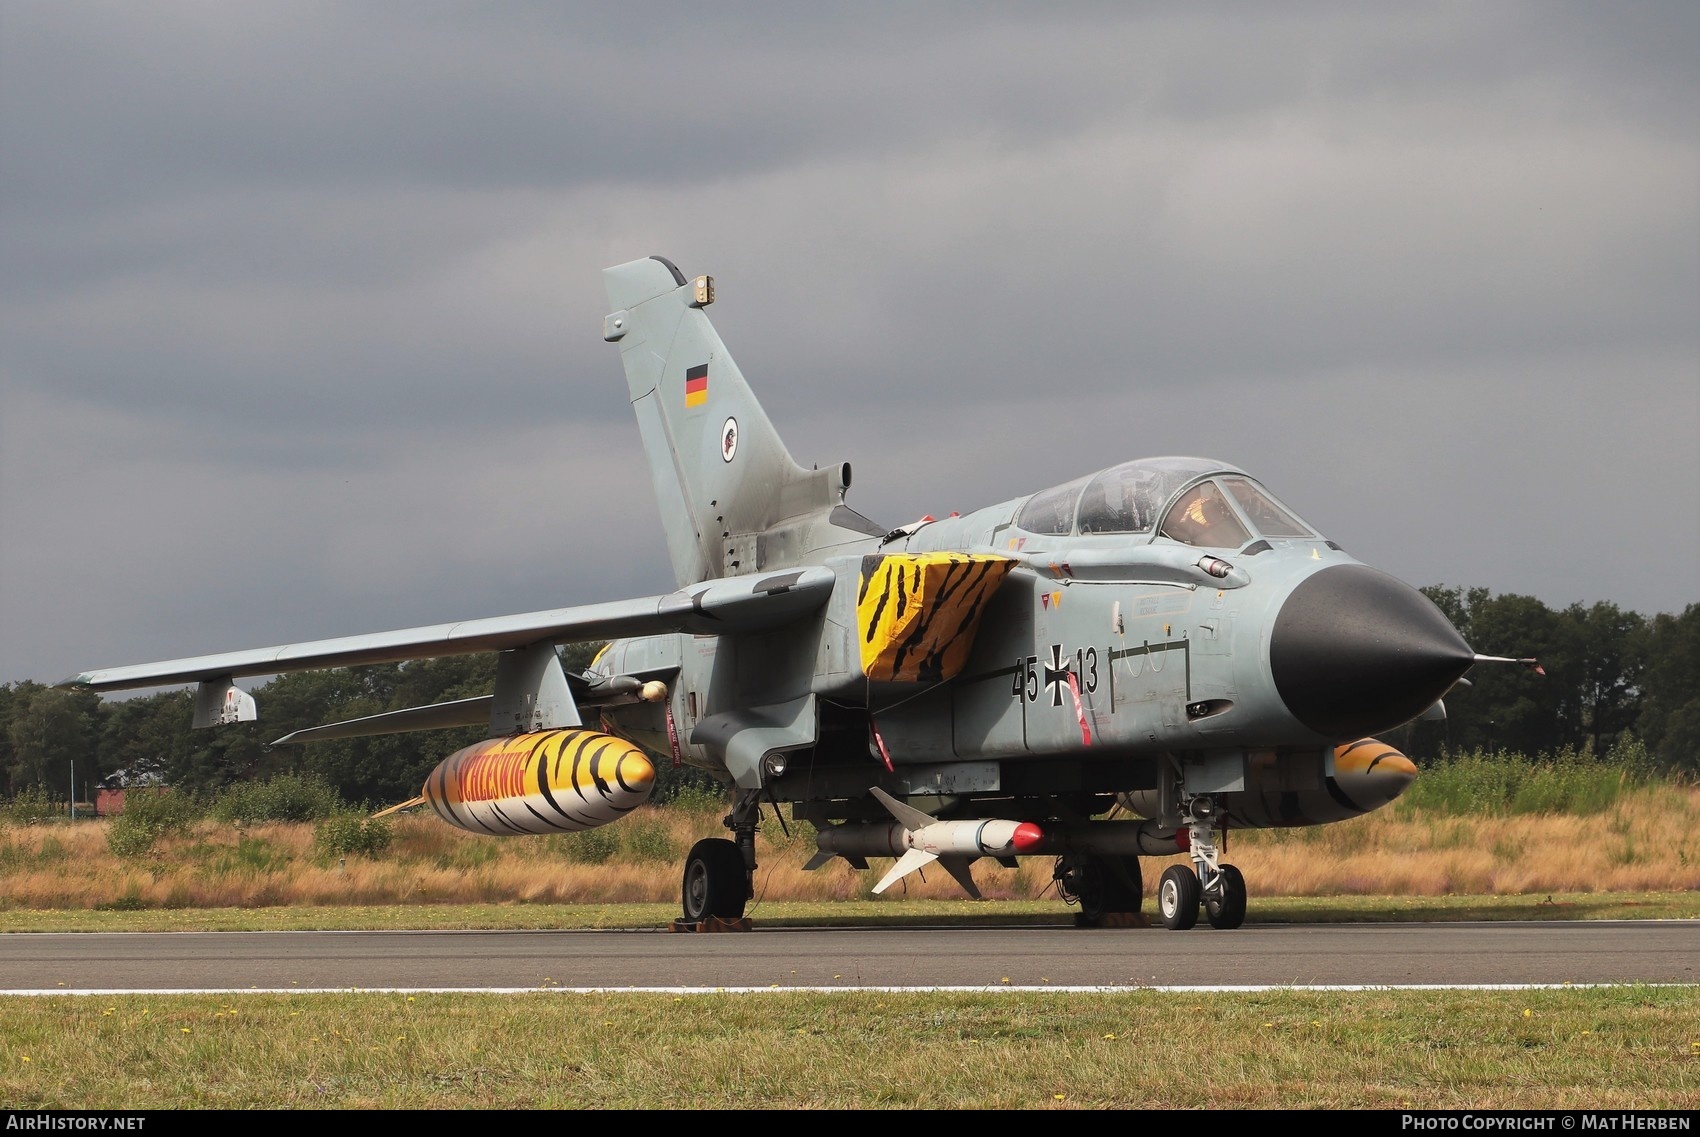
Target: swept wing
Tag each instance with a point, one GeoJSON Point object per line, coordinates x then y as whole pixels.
{"type": "Point", "coordinates": [727, 605]}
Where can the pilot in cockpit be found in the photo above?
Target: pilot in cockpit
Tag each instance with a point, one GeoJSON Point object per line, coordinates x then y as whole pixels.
{"type": "Point", "coordinates": [1202, 517]}
{"type": "Point", "coordinates": [1121, 500]}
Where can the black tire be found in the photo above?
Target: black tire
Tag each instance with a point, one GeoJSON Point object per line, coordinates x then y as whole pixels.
{"type": "Point", "coordinates": [1177, 897]}
{"type": "Point", "coordinates": [1116, 886]}
{"type": "Point", "coordinates": [716, 884]}
{"type": "Point", "coordinates": [1226, 908]}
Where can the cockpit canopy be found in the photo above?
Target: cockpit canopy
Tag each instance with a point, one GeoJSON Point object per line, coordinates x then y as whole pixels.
{"type": "Point", "coordinates": [1191, 500]}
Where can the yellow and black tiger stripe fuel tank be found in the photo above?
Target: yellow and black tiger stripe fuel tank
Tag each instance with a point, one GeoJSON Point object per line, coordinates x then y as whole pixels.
{"type": "Point", "coordinates": [551, 781]}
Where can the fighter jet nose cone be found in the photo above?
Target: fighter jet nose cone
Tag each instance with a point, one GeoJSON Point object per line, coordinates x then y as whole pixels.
{"type": "Point", "coordinates": [1355, 651]}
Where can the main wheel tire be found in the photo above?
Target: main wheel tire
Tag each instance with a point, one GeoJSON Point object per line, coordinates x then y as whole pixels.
{"type": "Point", "coordinates": [1225, 909]}
{"type": "Point", "coordinates": [1177, 897]}
{"type": "Point", "coordinates": [1102, 886]}
{"type": "Point", "coordinates": [1078, 882]}
{"type": "Point", "coordinates": [716, 884]}
{"type": "Point", "coordinates": [1121, 887]}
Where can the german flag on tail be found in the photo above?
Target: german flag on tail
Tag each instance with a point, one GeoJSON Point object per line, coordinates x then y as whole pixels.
{"type": "Point", "coordinates": [696, 385]}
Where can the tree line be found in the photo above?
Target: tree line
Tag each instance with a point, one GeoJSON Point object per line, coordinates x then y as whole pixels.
{"type": "Point", "coordinates": [1609, 673]}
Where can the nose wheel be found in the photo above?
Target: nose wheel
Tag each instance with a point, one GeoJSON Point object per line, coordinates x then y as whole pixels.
{"type": "Point", "coordinates": [1224, 906]}
{"type": "Point", "coordinates": [1177, 898]}
{"type": "Point", "coordinates": [1219, 887]}
{"type": "Point", "coordinates": [1179, 894]}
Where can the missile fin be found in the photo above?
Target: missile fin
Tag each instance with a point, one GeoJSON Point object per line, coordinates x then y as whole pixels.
{"type": "Point", "coordinates": [910, 861]}
{"type": "Point", "coordinates": [907, 816]}
{"type": "Point", "coordinates": [817, 861]}
{"type": "Point", "coordinates": [958, 868]}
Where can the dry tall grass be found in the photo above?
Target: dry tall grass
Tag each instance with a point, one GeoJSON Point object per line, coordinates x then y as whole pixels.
{"type": "Point", "coordinates": [1649, 840]}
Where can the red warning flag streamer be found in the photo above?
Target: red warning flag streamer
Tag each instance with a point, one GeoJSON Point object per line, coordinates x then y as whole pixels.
{"type": "Point", "coordinates": [673, 735]}
{"type": "Point", "coordinates": [885, 755]}
{"type": "Point", "coordinates": [1079, 711]}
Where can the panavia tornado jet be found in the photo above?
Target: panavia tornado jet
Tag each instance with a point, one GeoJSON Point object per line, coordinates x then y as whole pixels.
{"type": "Point", "coordinates": [1127, 665]}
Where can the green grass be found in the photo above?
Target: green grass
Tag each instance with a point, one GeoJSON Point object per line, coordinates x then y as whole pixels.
{"type": "Point", "coordinates": [1478, 782]}
{"type": "Point", "coordinates": [1617, 1048]}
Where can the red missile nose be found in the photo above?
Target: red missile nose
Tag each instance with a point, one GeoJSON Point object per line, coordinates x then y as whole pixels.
{"type": "Point", "coordinates": [1026, 836]}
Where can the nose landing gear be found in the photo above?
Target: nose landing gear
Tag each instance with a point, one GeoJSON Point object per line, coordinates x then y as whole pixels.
{"type": "Point", "coordinates": [1219, 887]}
{"type": "Point", "coordinates": [1177, 898]}
{"type": "Point", "coordinates": [1224, 906]}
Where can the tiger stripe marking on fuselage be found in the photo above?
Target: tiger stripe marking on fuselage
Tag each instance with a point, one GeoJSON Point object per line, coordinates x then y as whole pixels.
{"type": "Point", "coordinates": [542, 752]}
{"type": "Point", "coordinates": [917, 612]}
{"type": "Point", "coordinates": [871, 569]}
{"type": "Point", "coordinates": [983, 581]}
{"type": "Point", "coordinates": [929, 637]}
{"type": "Point", "coordinates": [1340, 795]}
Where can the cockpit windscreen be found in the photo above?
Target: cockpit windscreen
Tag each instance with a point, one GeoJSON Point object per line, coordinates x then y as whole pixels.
{"type": "Point", "coordinates": [1209, 505]}
{"type": "Point", "coordinates": [1265, 515]}
{"type": "Point", "coordinates": [1051, 511]}
{"type": "Point", "coordinates": [1201, 516]}
{"type": "Point", "coordinates": [1129, 498]}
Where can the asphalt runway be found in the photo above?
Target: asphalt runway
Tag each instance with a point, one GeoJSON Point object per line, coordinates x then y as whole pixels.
{"type": "Point", "coordinates": [1333, 955]}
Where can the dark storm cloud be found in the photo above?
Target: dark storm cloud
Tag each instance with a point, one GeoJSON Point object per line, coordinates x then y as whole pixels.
{"type": "Point", "coordinates": [121, 104]}
{"type": "Point", "coordinates": [352, 149]}
{"type": "Point", "coordinates": [300, 301]}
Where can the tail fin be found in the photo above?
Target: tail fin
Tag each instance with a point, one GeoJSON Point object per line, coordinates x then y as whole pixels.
{"type": "Point", "coordinates": [732, 499]}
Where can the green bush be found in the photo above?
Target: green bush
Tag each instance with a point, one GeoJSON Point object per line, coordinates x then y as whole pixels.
{"type": "Point", "coordinates": [1502, 783]}
{"type": "Point", "coordinates": [647, 839]}
{"type": "Point", "coordinates": [466, 855]}
{"type": "Point", "coordinates": [287, 797]}
{"type": "Point", "coordinates": [349, 831]}
{"type": "Point", "coordinates": [150, 815]}
{"type": "Point", "coordinates": [16, 857]}
{"type": "Point", "coordinates": [793, 834]}
{"type": "Point", "coordinates": [701, 799]}
{"type": "Point", "coordinates": [131, 840]}
{"type": "Point", "coordinates": [130, 901]}
{"type": "Point", "coordinates": [1631, 755]}
{"type": "Point", "coordinates": [592, 847]}
{"type": "Point", "coordinates": [250, 858]}
{"type": "Point", "coordinates": [32, 806]}
{"type": "Point", "coordinates": [687, 787]}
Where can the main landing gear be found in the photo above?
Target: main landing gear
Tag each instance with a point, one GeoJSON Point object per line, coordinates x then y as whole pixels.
{"type": "Point", "coordinates": [1108, 889]}
{"type": "Point", "coordinates": [718, 872]}
{"type": "Point", "coordinates": [1219, 887]}
{"type": "Point", "coordinates": [716, 885]}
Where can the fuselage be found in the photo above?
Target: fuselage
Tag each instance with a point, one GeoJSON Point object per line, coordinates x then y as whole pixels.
{"type": "Point", "coordinates": [1163, 607]}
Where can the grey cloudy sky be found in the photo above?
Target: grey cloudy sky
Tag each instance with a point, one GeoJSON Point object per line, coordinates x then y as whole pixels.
{"type": "Point", "coordinates": [300, 333]}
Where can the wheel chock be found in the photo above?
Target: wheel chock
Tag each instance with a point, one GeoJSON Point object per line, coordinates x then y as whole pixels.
{"type": "Point", "coordinates": [712, 924]}
{"type": "Point", "coordinates": [1115, 920]}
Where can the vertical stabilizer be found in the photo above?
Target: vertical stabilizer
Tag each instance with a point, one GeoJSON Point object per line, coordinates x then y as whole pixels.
{"type": "Point", "coordinates": [732, 498]}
